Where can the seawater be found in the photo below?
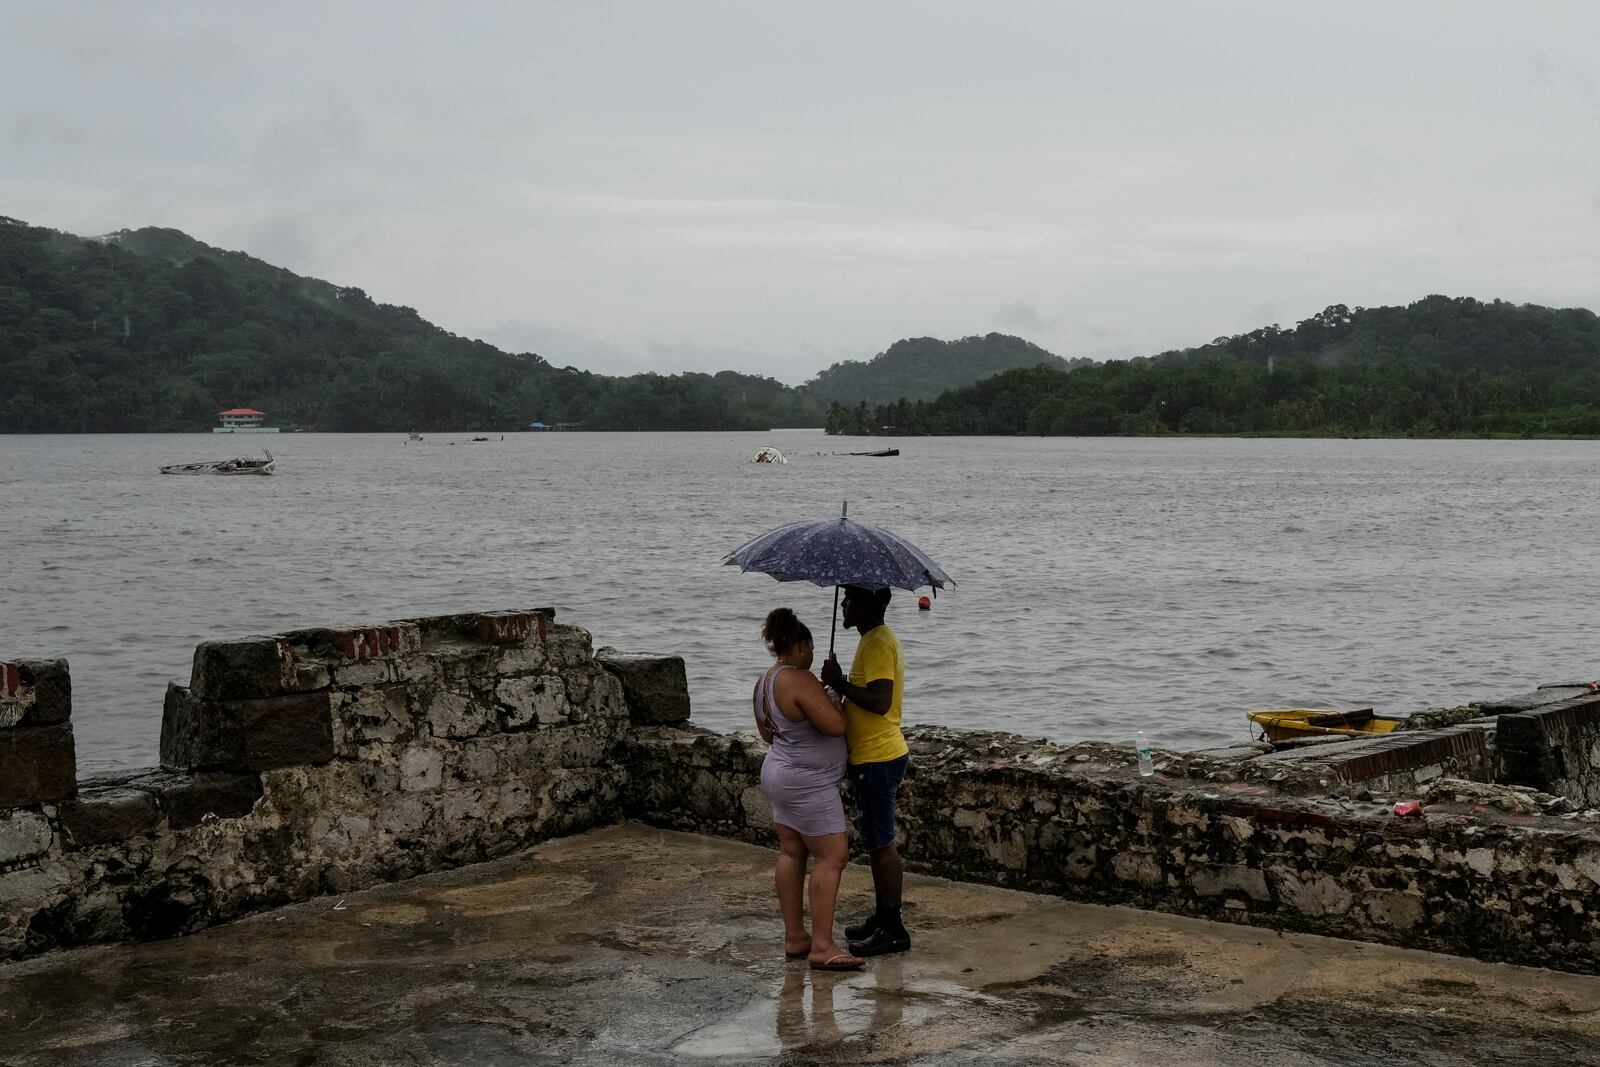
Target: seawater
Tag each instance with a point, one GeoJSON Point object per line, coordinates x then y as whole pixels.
{"type": "Point", "coordinates": [1104, 585]}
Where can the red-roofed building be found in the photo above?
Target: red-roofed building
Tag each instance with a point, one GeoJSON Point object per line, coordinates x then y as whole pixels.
{"type": "Point", "coordinates": [243, 420]}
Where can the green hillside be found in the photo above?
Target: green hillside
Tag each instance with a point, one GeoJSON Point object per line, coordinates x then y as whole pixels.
{"type": "Point", "coordinates": [921, 368]}
{"type": "Point", "coordinates": [1441, 366]}
{"type": "Point", "coordinates": [151, 330]}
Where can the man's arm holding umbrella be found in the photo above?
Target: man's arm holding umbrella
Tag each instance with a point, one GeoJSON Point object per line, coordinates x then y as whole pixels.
{"type": "Point", "coordinates": [875, 698]}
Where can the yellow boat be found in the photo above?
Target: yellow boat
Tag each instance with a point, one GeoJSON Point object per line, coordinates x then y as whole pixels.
{"type": "Point", "coordinates": [1286, 724]}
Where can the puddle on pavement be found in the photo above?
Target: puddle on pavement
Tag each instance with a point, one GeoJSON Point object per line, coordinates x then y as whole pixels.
{"type": "Point", "coordinates": [393, 914]}
{"type": "Point", "coordinates": [535, 891]}
{"type": "Point", "coordinates": [817, 1010]}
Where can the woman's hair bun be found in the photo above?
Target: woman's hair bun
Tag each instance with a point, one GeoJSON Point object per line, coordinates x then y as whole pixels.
{"type": "Point", "coordinates": [783, 630]}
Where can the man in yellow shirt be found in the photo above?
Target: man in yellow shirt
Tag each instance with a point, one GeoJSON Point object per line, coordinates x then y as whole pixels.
{"type": "Point", "coordinates": [878, 759]}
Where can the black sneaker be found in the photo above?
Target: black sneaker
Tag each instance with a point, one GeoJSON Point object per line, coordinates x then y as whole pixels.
{"type": "Point", "coordinates": [863, 929]}
{"type": "Point", "coordinates": [881, 942]}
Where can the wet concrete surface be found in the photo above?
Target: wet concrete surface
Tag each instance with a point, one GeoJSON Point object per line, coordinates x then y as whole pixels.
{"type": "Point", "coordinates": [636, 946]}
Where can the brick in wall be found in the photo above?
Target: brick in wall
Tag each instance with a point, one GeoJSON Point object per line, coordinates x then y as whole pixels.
{"type": "Point", "coordinates": [1463, 746]}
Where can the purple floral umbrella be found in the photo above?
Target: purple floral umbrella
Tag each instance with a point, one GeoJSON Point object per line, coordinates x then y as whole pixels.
{"type": "Point", "coordinates": [839, 552]}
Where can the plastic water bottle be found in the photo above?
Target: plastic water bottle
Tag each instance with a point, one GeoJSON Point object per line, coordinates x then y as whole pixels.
{"type": "Point", "coordinates": [1147, 765]}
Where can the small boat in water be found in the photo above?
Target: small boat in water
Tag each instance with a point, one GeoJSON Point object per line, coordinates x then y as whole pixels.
{"type": "Point", "coordinates": [243, 465]}
{"type": "Point", "coordinates": [879, 452]}
{"type": "Point", "coordinates": [770, 455]}
{"type": "Point", "coordinates": [413, 436]}
{"type": "Point", "coordinates": [1287, 724]}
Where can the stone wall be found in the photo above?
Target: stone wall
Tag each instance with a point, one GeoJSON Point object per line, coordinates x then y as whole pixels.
{"type": "Point", "coordinates": [38, 761]}
{"type": "Point", "coordinates": [321, 761]}
{"type": "Point", "coordinates": [1223, 842]}
{"type": "Point", "coordinates": [1554, 748]}
{"type": "Point", "coordinates": [304, 763]}
{"type": "Point", "coordinates": [1403, 762]}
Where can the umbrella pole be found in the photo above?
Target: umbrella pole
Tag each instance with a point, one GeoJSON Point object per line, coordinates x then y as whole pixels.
{"type": "Point", "coordinates": [835, 627]}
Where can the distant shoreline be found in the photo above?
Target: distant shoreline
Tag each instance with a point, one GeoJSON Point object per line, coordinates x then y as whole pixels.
{"type": "Point", "coordinates": [1298, 436]}
{"type": "Point", "coordinates": [1290, 436]}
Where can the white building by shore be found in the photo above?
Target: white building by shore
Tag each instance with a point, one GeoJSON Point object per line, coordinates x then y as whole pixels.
{"type": "Point", "coordinates": [242, 420]}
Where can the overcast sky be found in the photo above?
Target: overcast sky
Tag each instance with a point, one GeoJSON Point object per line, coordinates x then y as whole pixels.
{"type": "Point", "coordinates": [774, 187]}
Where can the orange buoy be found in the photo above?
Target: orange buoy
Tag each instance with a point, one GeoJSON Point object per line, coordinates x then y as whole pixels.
{"type": "Point", "coordinates": [924, 604]}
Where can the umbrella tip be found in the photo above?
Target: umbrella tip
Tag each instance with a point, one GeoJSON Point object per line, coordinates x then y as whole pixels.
{"type": "Point", "coordinates": [845, 511]}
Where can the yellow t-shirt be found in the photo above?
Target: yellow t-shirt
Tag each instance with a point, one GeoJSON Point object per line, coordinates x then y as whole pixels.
{"type": "Point", "coordinates": [876, 738]}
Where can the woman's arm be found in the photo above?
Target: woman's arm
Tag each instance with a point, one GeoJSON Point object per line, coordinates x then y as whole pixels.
{"type": "Point", "coordinates": [824, 714]}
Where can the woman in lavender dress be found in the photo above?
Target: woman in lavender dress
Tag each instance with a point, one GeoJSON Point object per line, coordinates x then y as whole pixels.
{"type": "Point", "coordinates": [801, 776]}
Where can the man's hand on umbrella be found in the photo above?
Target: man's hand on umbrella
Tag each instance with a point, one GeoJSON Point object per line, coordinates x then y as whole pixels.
{"type": "Point", "coordinates": [832, 674]}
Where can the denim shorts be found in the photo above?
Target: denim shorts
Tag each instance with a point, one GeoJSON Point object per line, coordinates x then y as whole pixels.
{"type": "Point", "coordinates": [875, 786]}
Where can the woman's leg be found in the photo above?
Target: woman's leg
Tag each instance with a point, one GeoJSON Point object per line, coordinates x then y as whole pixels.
{"type": "Point", "coordinates": [790, 879]}
{"type": "Point", "coordinates": [830, 852]}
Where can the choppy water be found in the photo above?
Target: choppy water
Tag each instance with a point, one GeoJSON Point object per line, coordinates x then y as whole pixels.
{"type": "Point", "coordinates": [1104, 584]}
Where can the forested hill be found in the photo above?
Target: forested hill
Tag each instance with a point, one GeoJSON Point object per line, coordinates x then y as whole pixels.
{"type": "Point", "coordinates": [1440, 366]}
{"type": "Point", "coordinates": [921, 368]}
{"type": "Point", "coordinates": [1454, 332]}
{"type": "Point", "coordinates": [151, 330]}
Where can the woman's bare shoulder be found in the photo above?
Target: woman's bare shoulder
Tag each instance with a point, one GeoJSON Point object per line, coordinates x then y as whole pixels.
{"type": "Point", "coordinates": [787, 685]}
{"type": "Point", "coordinates": [799, 678]}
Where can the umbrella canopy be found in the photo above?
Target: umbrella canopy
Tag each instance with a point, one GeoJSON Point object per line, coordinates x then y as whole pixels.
{"type": "Point", "coordinates": [839, 552]}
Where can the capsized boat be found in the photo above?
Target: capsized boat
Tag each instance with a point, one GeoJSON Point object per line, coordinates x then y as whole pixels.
{"type": "Point", "coordinates": [243, 465]}
{"type": "Point", "coordinates": [1286, 724]}
{"type": "Point", "coordinates": [770, 455]}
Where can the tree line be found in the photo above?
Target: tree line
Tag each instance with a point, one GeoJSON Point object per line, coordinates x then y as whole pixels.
{"type": "Point", "coordinates": [151, 330]}
{"type": "Point", "coordinates": [1439, 367]}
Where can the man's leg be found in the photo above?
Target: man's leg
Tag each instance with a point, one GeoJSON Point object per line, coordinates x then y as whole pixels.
{"type": "Point", "coordinates": [861, 790]}
{"type": "Point", "coordinates": [888, 875]}
{"type": "Point", "coordinates": [888, 933]}
{"type": "Point", "coordinates": [881, 783]}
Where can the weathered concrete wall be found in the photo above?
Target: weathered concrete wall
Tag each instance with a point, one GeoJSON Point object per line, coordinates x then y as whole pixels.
{"type": "Point", "coordinates": [1554, 748]}
{"type": "Point", "coordinates": [1396, 763]}
{"type": "Point", "coordinates": [38, 760]}
{"type": "Point", "coordinates": [304, 763]}
{"type": "Point", "coordinates": [325, 760]}
{"type": "Point", "coordinates": [1223, 844]}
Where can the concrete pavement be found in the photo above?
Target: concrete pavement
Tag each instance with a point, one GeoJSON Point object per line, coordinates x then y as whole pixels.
{"type": "Point", "coordinates": [637, 946]}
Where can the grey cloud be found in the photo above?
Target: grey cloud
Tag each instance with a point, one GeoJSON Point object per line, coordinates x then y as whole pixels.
{"type": "Point", "coordinates": [626, 185]}
{"type": "Point", "coordinates": [282, 240]}
{"type": "Point", "coordinates": [563, 347]}
{"type": "Point", "coordinates": [1256, 316]}
{"type": "Point", "coordinates": [786, 366]}
{"type": "Point", "coordinates": [1021, 315]}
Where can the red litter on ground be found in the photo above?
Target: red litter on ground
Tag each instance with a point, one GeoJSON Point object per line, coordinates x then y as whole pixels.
{"type": "Point", "coordinates": [924, 604]}
{"type": "Point", "coordinates": [1408, 807]}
